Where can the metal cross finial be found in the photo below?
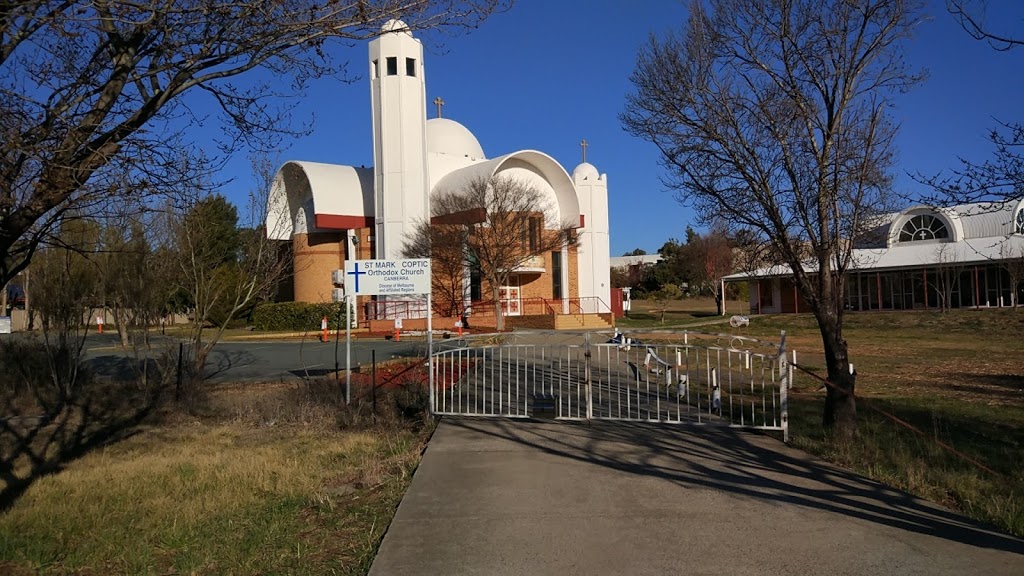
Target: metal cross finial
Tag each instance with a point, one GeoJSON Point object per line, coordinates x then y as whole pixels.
{"type": "Point", "coordinates": [583, 144]}
{"type": "Point", "coordinates": [439, 103]}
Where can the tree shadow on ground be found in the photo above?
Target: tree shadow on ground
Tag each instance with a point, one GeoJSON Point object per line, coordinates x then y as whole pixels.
{"type": "Point", "coordinates": [743, 464]}
{"type": "Point", "coordinates": [1006, 386]}
{"type": "Point", "coordinates": [34, 445]}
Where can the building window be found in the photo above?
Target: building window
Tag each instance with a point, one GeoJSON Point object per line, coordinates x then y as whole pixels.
{"type": "Point", "coordinates": [767, 294]}
{"type": "Point", "coordinates": [476, 292]}
{"type": "Point", "coordinates": [1019, 222]}
{"type": "Point", "coordinates": [531, 230]}
{"type": "Point", "coordinates": [392, 66]}
{"type": "Point", "coordinates": [556, 275]}
{"type": "Point", "coordinates": [410, 66]}
{"type": "Point", "coordinates": [923, 227]}
{"type": "Point", "coordinates": [376, 69]}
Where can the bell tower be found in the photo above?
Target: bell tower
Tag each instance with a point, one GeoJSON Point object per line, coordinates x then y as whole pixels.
{"type": "Point", "coordinates": [398, 99]}
{"type": "Point", "coordinates": [593, 247]}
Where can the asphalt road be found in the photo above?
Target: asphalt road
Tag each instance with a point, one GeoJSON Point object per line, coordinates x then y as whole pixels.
{"type": "Point", "coordinates": [233, 361]}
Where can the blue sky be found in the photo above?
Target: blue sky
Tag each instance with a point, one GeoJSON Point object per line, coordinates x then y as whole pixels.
{"type": "Point", "coordinates": [549, 73]}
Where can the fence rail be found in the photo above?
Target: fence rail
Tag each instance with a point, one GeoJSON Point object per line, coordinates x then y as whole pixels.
{"type": "Point", "coordinates": [681, 377]}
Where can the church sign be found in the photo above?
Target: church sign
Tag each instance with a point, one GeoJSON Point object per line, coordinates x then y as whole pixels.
{"type": "Point", "coordinates": [387, 277]}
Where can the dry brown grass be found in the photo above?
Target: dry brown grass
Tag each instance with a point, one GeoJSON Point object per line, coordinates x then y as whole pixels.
{"type": "Point", "coordinates": [261, 481]}
{"type": "Point", "coordinates": [678, 313]}
{"type": "Point", "coordinates": [958, 377]}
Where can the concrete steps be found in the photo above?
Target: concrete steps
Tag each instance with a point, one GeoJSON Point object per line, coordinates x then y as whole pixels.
{"type": "Point", "coordinates": [581, 322]}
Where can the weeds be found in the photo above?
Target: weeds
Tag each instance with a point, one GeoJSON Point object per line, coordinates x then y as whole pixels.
{"type": "Point", "coordinates": [957, 377]}
{"type": "Point", "coordinates": [253, 479]}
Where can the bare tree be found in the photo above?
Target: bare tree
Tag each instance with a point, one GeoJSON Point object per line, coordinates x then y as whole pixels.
{"type": "Point", "coordinates": [1000, 179]}
{"type": "Point", "coordinates": [970, 14]}
{"type": "Point", "coordinates": [946, 277]}
{"type": "Point", "coordinates": [92, 92]}
{"type": "Point", "coordinates": [446, 245]}
{"type": "Point", "coordinates": [223, 269]}
{"type": "Point", "coordinates": [1012, 259]}
{"type": "Point", "coordinates": [772, 115]}
{"type": "Point", "coordinates": [53, 407]}
{"type": "Point", "coordinates": [496, 225]}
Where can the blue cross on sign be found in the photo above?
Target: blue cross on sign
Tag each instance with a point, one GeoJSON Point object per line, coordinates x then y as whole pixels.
{"type": "Point", "coordinates": [357, 273]}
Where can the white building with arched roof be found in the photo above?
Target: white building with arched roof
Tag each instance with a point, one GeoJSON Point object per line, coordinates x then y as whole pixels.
{"type": "Point", "coordinates": [924, 257]}
{"type": "Point", "coordinates": [334, 212]}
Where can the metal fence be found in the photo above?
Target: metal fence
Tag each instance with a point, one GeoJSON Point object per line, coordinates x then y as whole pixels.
{"type": "Point", "coordinates": [655, 376]}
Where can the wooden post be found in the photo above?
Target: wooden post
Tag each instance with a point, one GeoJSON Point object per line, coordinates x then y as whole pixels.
{"type": "Point", "coordinates": [796, 299]}
{"type": "Point", "coordinates": [759, 296]}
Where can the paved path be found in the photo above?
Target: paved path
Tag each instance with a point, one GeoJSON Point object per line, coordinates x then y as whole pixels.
{"type": "Point", "coordinates": [503, 497]}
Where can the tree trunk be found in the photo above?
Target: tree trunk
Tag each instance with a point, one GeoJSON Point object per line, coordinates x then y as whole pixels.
{"type": "Point", "coordinates": [840, 414]}
{"type": "Point", "coordinates": [718, 303]}
{"type": "Point", "coordinates": [499, 319]}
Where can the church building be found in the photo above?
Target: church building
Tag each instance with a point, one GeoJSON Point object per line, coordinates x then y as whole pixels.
{"type": "Point", "coordinates": [334, 212]}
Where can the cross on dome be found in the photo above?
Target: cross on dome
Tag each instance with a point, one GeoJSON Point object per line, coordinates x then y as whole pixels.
{"type": "Point", "coordinates": [439, 103]}
{"type": "Point", "coordinates": [583, 145]}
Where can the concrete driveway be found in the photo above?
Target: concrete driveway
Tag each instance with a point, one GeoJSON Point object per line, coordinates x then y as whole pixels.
{"type": "Point", "coordinates": [516, 497]}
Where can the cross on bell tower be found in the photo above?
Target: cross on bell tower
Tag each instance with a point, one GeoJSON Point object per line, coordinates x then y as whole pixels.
{"type": "Point", "coordinates": [439, 103]}
{"type": "Point", "coordinates": [583, 145]}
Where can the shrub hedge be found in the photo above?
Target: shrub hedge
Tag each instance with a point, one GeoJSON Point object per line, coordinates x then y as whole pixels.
{"type": "Point", "coordinates": [296, 316]}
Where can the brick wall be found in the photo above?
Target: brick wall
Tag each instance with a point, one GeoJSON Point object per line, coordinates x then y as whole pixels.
{"type": "Point", "coordinates": [574, 274]}
{"type": "Point", "coordinates": [316, 255]}
{"type": "Point", "coordinates": [530, 322]}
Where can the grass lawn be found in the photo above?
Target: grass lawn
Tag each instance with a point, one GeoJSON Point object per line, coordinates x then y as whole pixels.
{"type": "Point", "coordinates": [678, 313]}
{"type": "Point", "coordinates": [957, 376]}
{"type": "Point", "coordinates": [245, 488]}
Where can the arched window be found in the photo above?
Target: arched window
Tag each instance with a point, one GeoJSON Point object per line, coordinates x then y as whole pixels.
{"type": "Point", "coordinates": [923, 227]}
{"type": "Point", "coordinates": [1019, 222]}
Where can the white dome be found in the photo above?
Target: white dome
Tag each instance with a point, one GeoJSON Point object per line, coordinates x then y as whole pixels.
{"type": "Point", "coordinates": [585, 171]}
{"type": "Point", "coordinates": [395, 25]}
{"type": "Point", "coordinates": [445, 136]}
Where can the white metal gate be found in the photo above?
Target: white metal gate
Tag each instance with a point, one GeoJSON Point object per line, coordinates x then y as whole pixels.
{"type": "Point", "coordinates": [651, 376]}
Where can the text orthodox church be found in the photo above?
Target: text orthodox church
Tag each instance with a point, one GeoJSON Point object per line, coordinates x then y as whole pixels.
{"type": "Point", "coordinates": [332, 212]}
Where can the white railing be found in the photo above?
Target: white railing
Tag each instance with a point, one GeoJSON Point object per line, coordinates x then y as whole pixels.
{"type": "Point", "coordinates": [681, 377]}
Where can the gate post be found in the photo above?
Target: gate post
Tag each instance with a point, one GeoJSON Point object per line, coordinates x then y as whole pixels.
{"type": "Point", "coordinates": [586, 375]}
{"type": "Point", "coordinates": [785, 381]}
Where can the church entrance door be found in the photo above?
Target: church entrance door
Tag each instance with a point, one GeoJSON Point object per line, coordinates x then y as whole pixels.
{"type": "Point", "coordinates": [511, 300]}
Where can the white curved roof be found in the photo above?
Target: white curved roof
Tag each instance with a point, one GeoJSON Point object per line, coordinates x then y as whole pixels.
{"type": "Point", "coordinates": [446, 136]}
{"type": "Point", "coordinates": [967, 221]}
{"type": "Point", "coordinates": [585, 171]}
{"type": "Point", "coordinates": [984, 220]}
{"type": "Point", "coordinates": [334, 189]}
{"type": "Point", "coordinates": [548, 167]}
